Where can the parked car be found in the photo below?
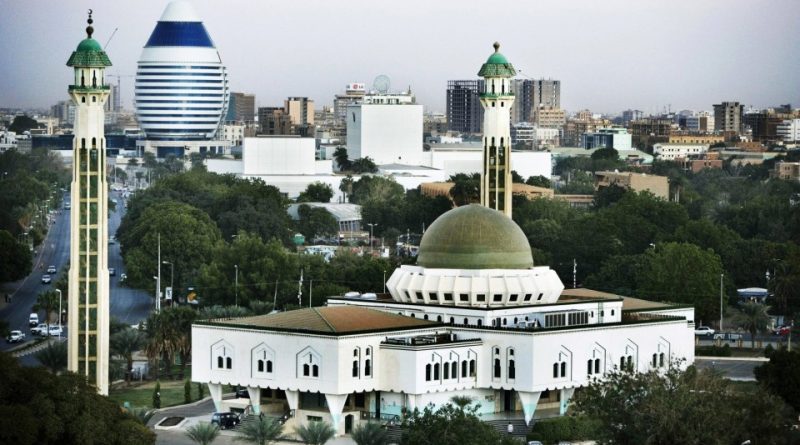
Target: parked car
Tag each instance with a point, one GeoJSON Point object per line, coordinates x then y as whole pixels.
{"type": "Point", "coordinates": [15, 337]}
{"type": "Point", "coordinates": [241, 393]}
{"type": "Point", "coordinates": [225, 420]}
{"type": "Point", "coordinates": [782, 330]}
{"type": "Point", "coordinates": [51, 269]}
{"type": "Point", "coordinates": [40, 329]}
{"type": "Point", "coordinates": [55, 330]}
{"type": "Point", "coordinates": [123, 277]}
{"type": "Point", "coordinates": [112, 271]}
{"type": "Point", "coordinates": [33, 319]}
{"type": "Point", "coordinates": [46, 279]}
{"type": "Point", "coordinates": [703, 330]}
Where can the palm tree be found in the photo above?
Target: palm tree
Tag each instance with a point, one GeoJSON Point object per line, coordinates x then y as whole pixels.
{"type": "Point", "coordinates": [263, 431]}
{"type": "Point", "coordinates": [370, 433]}
{"type": "Point", "coordinates": [54, 356]}
{"type": "Point", "coordinates": [754, 319]}
{"type": "Point", "coordinates": [46, 301]}
{"type": "Point", "coordinates": [163, 337]}
{"type": "Point", "coordinates": [315, 433]}
{"type": "Point", "coordinates": [124, 343]}
{"type": "Point", "coordinates": [203, 433]}
{"type": "Point", "coordinates": [461, 401]}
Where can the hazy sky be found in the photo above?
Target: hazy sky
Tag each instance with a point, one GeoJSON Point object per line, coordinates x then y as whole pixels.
{"type": "Point", "coordinates": [610, 55]}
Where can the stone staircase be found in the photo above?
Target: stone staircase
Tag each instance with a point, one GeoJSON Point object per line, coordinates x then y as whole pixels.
{"type": "Point", "coordinates": [501, 426]}
{"type": "Point", "coordinates": [394, 434]}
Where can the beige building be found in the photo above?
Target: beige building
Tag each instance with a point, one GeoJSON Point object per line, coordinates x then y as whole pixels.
{"type": "Point", "coordinates": [728, 117]}
{"type": "Point", "coordinates": [432, 189]}
{"type": "Point", "coordinates": [696, 139]}
{"type": "Point", "coordinates": [549, 117]}
{"type": "Point", "coordinates": [638, 182]}
{"type": "Point", "coordinates": [786, 170]}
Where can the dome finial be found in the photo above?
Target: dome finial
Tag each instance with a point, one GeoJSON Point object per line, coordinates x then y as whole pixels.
{"type": "Point", "coordinates": [496, 47]}
{"type": "Point", "coordinates": [89, 29]}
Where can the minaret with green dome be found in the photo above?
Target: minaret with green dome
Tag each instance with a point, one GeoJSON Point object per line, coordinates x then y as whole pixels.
{"type": "Point", "coordinates": [88, 275]}
{"type": "Point", "coordinates": [496, 100]}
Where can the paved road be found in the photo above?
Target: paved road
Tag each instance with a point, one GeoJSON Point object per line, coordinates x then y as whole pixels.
{"type": "Point", "coordinates": [731, 368]}
{"type": "Point", "coordinates": [128, 305]}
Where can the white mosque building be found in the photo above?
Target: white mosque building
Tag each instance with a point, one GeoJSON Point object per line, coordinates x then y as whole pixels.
{"type": "Point", "coordinates": [473, 318]}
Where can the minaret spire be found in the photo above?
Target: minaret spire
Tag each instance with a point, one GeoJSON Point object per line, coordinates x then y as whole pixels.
{"type": "Point", "coordinates": [496, 100]}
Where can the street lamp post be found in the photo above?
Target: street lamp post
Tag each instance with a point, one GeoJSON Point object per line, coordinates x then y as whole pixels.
{"type": "Point", "coordinates": [236, 290]}
{"type": "Point", "coordinates": [721, 277]}
{"type": "Point", "coordinates": [158, 292]}
{"type": "Point", "coordinates": [59, 312]}
{"type": "Point", "coordinates": [371, 225]}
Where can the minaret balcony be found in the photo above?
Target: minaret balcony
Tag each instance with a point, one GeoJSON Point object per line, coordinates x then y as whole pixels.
{"type": "Point", "coordinates": [507, 94]}
{"type": "Point", "coordinates": [89, 89]}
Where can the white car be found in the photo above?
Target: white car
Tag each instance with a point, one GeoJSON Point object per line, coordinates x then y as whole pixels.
{"type": "Point", "coordinates": [40, 329]}
{"type": "Point", "coordinates": [15, 337]}
{"type": "Point", "coordinates": [703, 330]}
{"type": "Point", "coordinates": [55, 330]}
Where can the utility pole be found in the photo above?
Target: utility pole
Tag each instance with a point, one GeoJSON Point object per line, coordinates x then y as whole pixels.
{"type": "Point", "coordinates": [574, 273]}
{"type": "Point", "coordinates": [721, 277]}
{"type": "Point", "coordinates": [158, 280]}
{"type": "Point", "coordinates": [236, 290]}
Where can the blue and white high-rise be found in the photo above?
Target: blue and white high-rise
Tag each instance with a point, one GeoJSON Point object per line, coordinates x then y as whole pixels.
{"type": "Point", "coordinates": [181, 84]}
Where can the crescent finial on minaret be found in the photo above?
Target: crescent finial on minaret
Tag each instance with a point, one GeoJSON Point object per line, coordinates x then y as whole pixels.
{"type": "Point", "coordinates": [89, 29]}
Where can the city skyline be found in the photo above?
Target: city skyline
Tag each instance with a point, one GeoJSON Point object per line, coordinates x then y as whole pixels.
{"type": "Point", "coordinates": [681, 55]}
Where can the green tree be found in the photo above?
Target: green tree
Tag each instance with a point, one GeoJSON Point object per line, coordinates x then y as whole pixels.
{"type": "Point", "coordinates": [316, 221]}
{"type": "Point", "coordinates": [466, 188]}
{"type": "Point", "coordinates": [683, 273]}
{"type": "Point", "coordinates": [754, 319]}
{"type": "Point", "coordinates": [608, 153]}
{"type": "Point", "coordinates": [781, 377]}
{"type": "Point", "coordinates": [203, 433]}
{"type": "Point", "coordinates": [53, 356]}
{"type": "Point", "coordinates": [315, 433]}
{"type": "Point", "coordinates": [316, 192]}
{"type": "Point", "coordinates": [187, 391]}
{"type": "Point", "coordinates": [23, 123]}
{"type": "Point", "coordinates": [263, 431]}
{"type": "Point", "coordinates": [124, 343]}
{"type": "Point", "coordinates": [516, 178]}
{"type": "Point", "coordinates": [46, 301]}
{"type": "Point", "coordinates": [342, 159]}
{"type": "Point", "coordinates": [346, 187]}
{"type": "Point", "coordinates": [676, 406]}
{"type": "Point", "coordinates": [539, 181]}
{"type": "Point", "coordinates": [157, 395]}
{"type": "Point", "coordinates": [15, 258]}
{"type": "Point", "coordinates": [370, 433]}
{"type": "Point", "coordinates": [450, 425]}
{"type": "Point", "coordinates": [43, 408]}
{"type": "Point", "coordinates": [364, 165]}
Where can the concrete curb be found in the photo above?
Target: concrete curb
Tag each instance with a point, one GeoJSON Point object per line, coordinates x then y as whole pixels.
{"type": "Point", "coordinates": [733, 359]}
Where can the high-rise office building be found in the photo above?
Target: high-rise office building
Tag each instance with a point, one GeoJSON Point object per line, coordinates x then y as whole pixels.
{"type": "Point", "coordinates": [631, 115]}
{"type": "Point", "coordinates": [274, 121]}
{"type": "Point", "coordinates": [88, 296]}
{"type": "Point", "coordinates": [241, 108]}
{"type": "Point", "coordinates": [523, 100]}
{"type": "Point", "coordinates": [301, 111]}
{"type": "Point", "coordinates": [497, 100]}
{"type": "Point", "coordinates": [464, 112]}
{"type": "Point", "coordinates": [545, 96]}
{"type": "Point", "coordinates": [353, 94]}
{"type": "Point", "coordinates": [728, 117]}
{"type": "Point", "coordinates": [181, 83]}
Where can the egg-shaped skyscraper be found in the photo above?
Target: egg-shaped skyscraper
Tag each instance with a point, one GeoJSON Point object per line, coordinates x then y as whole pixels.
{"type": "Point", "coordinates": [181, 83]}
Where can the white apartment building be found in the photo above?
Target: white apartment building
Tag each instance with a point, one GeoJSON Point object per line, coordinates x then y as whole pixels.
{"type": "Point", "coordinates": [386, 128]}
{"type": "Point", "coordinates": [789, 130]}
{"type": "Point", "coordinates": [670, 152]}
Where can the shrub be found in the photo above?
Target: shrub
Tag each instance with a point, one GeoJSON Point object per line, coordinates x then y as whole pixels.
{"type": "Point", "coordinates": [187, 392]}
{"type": "Point", "coordinates": [200, 394]}
{"type": "Point", "coordinates": [714, 351]}
{"type": "Point", "coordinates": [551, 431]}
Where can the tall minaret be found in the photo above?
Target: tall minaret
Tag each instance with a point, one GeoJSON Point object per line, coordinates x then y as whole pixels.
{"type": "Point", "coordinates": [88, 273]}
{"type": "Point", "coordinates": [496, 100]}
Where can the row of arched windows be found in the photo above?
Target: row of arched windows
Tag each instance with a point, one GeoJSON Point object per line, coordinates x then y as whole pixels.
{"type": "Point", "coordinates": [450, 370]}
{"type": "Point", "coordinates": [658, 360]}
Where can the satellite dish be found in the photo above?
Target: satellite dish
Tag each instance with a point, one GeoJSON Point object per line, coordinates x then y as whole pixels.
{"type": "Point", "coordinates": [381, 84]}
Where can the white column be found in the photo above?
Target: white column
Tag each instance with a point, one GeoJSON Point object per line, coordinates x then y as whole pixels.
{"type": "Point", "coordinates": [215, 390]}
{"type": "Point", "coordinates": [336, 405]}
{"type": "Point", "coordinates": [529, 401]}
{"type": "Point", "coordinates": [293, 399]}
{"type": "Point", "coordinates": [255, 399]}
{"type": "Point", "coordinates": [566, 395]}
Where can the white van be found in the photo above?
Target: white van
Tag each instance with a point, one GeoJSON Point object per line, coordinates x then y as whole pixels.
{"type": "Point", "coordinates": [33, 319]}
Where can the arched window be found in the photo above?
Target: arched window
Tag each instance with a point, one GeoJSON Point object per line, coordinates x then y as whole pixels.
{"type": "Point", "coordinates": [630, 362]}
{"type": "Point", "coordinates": [589, 366]}
{"type": "Point", "coordinates": [497, 368]}
{"type": "Point", "coordinates": [439, 318]}
{"type": "Point", "coordinates": [260, 366]}
{"type": "Point", "coordinates": [622, 362]}
{"type": "Point", "coordinates": [446, 371]}
{"type": "Point", "coordinates": [220, 362]}
{"type": "Point", "coordinates": [83, 80]}
{"type": "Point", "coordinates": [94, 142]}
{"type": "Point", "coordinates": [367, 368]}
{"type": "Point", "coordinates": [228, 362]}
{"type": "Point", "coordinates": [413, 316]}
{"type": "Point", "coordinates": [355, 368]}
{"type": "Point", "coordinates": [306, 369]}
{"type": "Point", "coordinates": [512, 371]}
{"type": "Point", "coordinates": [94, 79]}
{"type": "Point", "coordinates": [555, 370]}
{"type": "Point", "coordinates": [655, 359]}
{"type": "Point", "coordinates": [466, 320]}
{"type": "Point", "coordinates": [436, 371]}
{"type": "Point", "coordinates": [94, 98]}
{"type": "Point", "coordinates": [472, 370]}
{"type": "Point", "coordinates": [452, 320]}
{"type": "Point", "coordinates": [428, 372]}
{"type": "Point", "coordinates": [493, 87]}
{"type": "Point", "coordinates": [425, 316]}
{"type": "Point", "coordinates": [83, 142]}
{"type": "Point", "coordinates": [661, 359]}
{"type": "Point", "coordinates": [269, 365]}
{"type": "Point", "coordinates": [563, 369]}
{"type": "Point", "coordinates": [83, 99]}
{"type": "Point", "coordinates": [454, 369]}
{"type": "Point", "coordinates": [314, 371]}
{"type": "Point", "coordinates": [501, 142]}
{"type": "Point", "coordinates": [480, 322]}
{"type": "Point", "coordinates": [597, 366]}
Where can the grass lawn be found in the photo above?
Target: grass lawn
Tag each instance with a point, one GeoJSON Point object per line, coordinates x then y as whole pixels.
{"type": "Point", "coordinates": [141, 395]}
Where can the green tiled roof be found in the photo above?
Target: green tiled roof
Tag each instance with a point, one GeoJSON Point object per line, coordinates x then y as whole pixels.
{"type": "Point", "coordinates": [497, 65]}
{"type": "Point", "coordinates": [90, 54]}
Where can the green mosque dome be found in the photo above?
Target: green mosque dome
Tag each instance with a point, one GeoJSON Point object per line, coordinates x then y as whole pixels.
{"type": "Point", "coordinates": [497, 65]}
{"type": "Point", "coordinates": [474, 237]}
